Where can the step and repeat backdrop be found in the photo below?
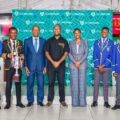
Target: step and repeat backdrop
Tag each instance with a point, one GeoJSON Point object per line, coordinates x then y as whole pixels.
{"type": "Point", "coordinates": [89, 21]}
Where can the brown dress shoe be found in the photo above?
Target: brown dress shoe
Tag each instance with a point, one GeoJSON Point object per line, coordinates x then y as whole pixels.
{"type": "Point", "coordinates": [49, 103]}
{"type": "Point", "coordinates": [64, 104]}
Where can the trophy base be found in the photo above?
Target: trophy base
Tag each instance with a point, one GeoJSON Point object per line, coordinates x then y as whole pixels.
{"type": "Point", "coordinates": [16, 78]}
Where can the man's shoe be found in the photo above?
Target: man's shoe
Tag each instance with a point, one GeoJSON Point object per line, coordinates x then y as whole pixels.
{"type": "Point", "coordinates": [41, 104]}
{"type": "Point", "coordinates": [64, 104]}
{"type": "Point", "coordinates": [116, 107]}
{"type": "Point", "coordinates": [7, 106]}
{"type": "Point", "coordinates": [49, 103]}
{"type": "Point", "coordinates": [94, 104]}
{"type": "Point", "coordinates": [106, 104]}
{"type": "Point", "coordinates": [0, 107]}
{"type": "Point", "coordinates": [29, 104]}
{"type": "Point", "coordinates": [20, 105]}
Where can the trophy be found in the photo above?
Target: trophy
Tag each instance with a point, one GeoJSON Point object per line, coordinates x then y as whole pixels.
{"type": "Point", "coordinates": [16, 64]}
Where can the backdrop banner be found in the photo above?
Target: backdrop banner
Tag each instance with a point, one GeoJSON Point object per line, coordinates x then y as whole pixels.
{"type": "Point", "coordinates": [89, 21]}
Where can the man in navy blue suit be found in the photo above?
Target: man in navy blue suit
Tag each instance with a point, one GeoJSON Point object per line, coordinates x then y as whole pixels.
{"type": "Point", "coordinates": [35, 65]}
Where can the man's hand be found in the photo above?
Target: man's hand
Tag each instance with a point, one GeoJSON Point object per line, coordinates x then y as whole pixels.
{"type": "Point", "coordinates": [101, 68]}
{"type": "Point", "coordinates": [10, 55]}
{"type": "Point", "coordinates": [27, 71]}
{"type": "Point", "coordinates": [44, 70]}
{"type": "Point", "coordinates": [77, 64]}
{"type": "Point", "coordinates": [56, 64]}
{"type": "Point", "coordinates": [115, 74]}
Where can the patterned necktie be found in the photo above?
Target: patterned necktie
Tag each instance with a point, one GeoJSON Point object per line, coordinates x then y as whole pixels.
{"type": "Point", "coordinates": [13, 45]}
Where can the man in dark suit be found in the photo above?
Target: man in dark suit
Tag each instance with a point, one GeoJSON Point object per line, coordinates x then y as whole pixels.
{"type": "Point", "coordinates": [35, 65]}
{"type": "Point", "coordinates": [9, 48]}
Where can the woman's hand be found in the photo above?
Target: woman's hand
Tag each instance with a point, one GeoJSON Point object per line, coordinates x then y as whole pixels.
{"type": "Point", "coordinates": [77, 64]}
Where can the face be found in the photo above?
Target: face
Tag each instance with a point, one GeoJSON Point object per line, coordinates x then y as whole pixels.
{"type": "Point", "coordinates": [77, 34]}
{"type": "Point", "coordinates": [104, 33]}
{"type": "Point", "coordinates": [13, 34]}
{"type": "Point", "coordinates": [36, 31]}
{"type": "Point", "coordinates": [57, 30]}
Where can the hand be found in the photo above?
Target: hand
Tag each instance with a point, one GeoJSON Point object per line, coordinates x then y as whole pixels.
{"type": "Point", "coordinates": [115, 74]}
{"type": "Point", "coordinates": [77, 64]}
{"type": "Point", "coordinates": [10, 55]}
{"type": "Point", "coordinates": [44, 70]}
{"type": "Point", "coordinates": [27, 71]}
{"type": "Point", "coordinates": [101, 68]}
{"type": "Point", "coordinates": [56, 64]}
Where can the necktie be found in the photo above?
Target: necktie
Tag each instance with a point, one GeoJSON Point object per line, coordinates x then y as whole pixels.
{"type": "Point", "coordinates": [36, 45]}
{"type": "Point", "coordinates": [103, 43]}
{"type": "Point", "coordinates": [13, 45]}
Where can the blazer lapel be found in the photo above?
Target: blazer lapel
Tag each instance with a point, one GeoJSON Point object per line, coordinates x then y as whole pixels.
{"type": "Point", "coordinates": [31, 41]}
{"type": "Point", "coordinates": [9, 45]}
{"type": "Point", "coordinates": [105, 44]}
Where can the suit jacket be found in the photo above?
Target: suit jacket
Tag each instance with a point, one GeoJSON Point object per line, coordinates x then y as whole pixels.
{"type": "Point", "coordinates": [6, 49]}
{"type": "Point", "coordinates": [0, 48]}
{"type": "Point", "coordinates": [35, 61]}
{"type": "Point", "coordinates": [103, 55]}
{"type": "Point", "coordinates": [116, 58]}
{"type": "Point", "coordinates": [80, 56]}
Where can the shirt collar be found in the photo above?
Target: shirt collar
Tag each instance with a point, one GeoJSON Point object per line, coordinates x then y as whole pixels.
{"type": "Point", "coordinates": [12, 40]}
{"type": "Point", "coordinates": [35, 38]}
{"type": "Point", "coordinates": [104, 39]}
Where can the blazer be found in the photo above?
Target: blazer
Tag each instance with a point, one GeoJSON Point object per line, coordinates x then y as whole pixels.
{"type": "Point", "coordinates": [103, 55]}
{"type": "Point", "coordinates": [116, 58]}
{"type": "Point", "coordinates": [35, 61]}
{"type": "Point", "coordinates": [80, 56]}
{"type": "Point", "coordinates": [6, 49]}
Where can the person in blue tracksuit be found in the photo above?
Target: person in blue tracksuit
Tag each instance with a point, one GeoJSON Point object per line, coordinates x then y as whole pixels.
{"type": "Point", "coordinates": [102, 56]}
{"type": "Point", "coordinates": [116, 73]}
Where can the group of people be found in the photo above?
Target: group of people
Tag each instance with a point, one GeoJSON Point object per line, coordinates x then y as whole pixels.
{"type": "Point", "coordinates": [41, 56]}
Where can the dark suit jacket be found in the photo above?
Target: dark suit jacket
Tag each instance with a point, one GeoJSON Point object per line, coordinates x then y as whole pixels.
{"type": "Point", "coordinates": [35, 61]}
{"type": "Point", "coordinates": [6, 49]}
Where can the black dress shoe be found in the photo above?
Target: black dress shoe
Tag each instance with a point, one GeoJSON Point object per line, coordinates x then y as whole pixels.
{"type": "Point", "coordinates": [7, 107]}
{"type": "Point", "coordinates": [106, 104]}
{"type": "Point", "coordinates": [116, 107]}
{"type": "Point", "coordinates": [41, 104]}
{"type": "Point", "coordinates": [0, 107]}
{"type": "Point", "coordinates": [29, 104]}
{"type": "Point", "coordinates": [20, 105]}
{"type": "Point", "coordinates": [94, 104]}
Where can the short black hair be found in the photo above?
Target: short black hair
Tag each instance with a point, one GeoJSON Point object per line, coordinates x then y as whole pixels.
{"type": "Point", "coordinates": [105, 28]}
{"type": "Point", "coordinates": [77, 29]}
{"type": "Point", "coordinates": [13, 28]}
{"type": "Point", "coordinates": [57, 25]}
{"type": "Point", "coordinates": [36, 26]}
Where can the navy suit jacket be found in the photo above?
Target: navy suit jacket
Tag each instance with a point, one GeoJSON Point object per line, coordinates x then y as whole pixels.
{"type": "Point", "coordinates": [35, 61]}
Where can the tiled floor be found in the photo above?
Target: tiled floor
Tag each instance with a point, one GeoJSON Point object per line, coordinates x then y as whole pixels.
{"type": "Point", "coordinates": [57, 112]}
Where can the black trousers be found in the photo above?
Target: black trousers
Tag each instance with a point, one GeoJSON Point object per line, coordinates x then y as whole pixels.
{"type": "Point", "coordinates": [58, 73]}
{"type": "Point", "coordinates": [9, 75]}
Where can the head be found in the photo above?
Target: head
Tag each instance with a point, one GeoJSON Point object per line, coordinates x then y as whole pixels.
{"type": "Point", "coordinates": [35, 31]}
{"type": "Point", "coordinates": [57, 30]}
{"type": "Point", "coordinates": [13, 33]}
{"type": "Point", "coordinates": [105, 32]}
{"type": "Point", "coordinates": [77, 33]}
